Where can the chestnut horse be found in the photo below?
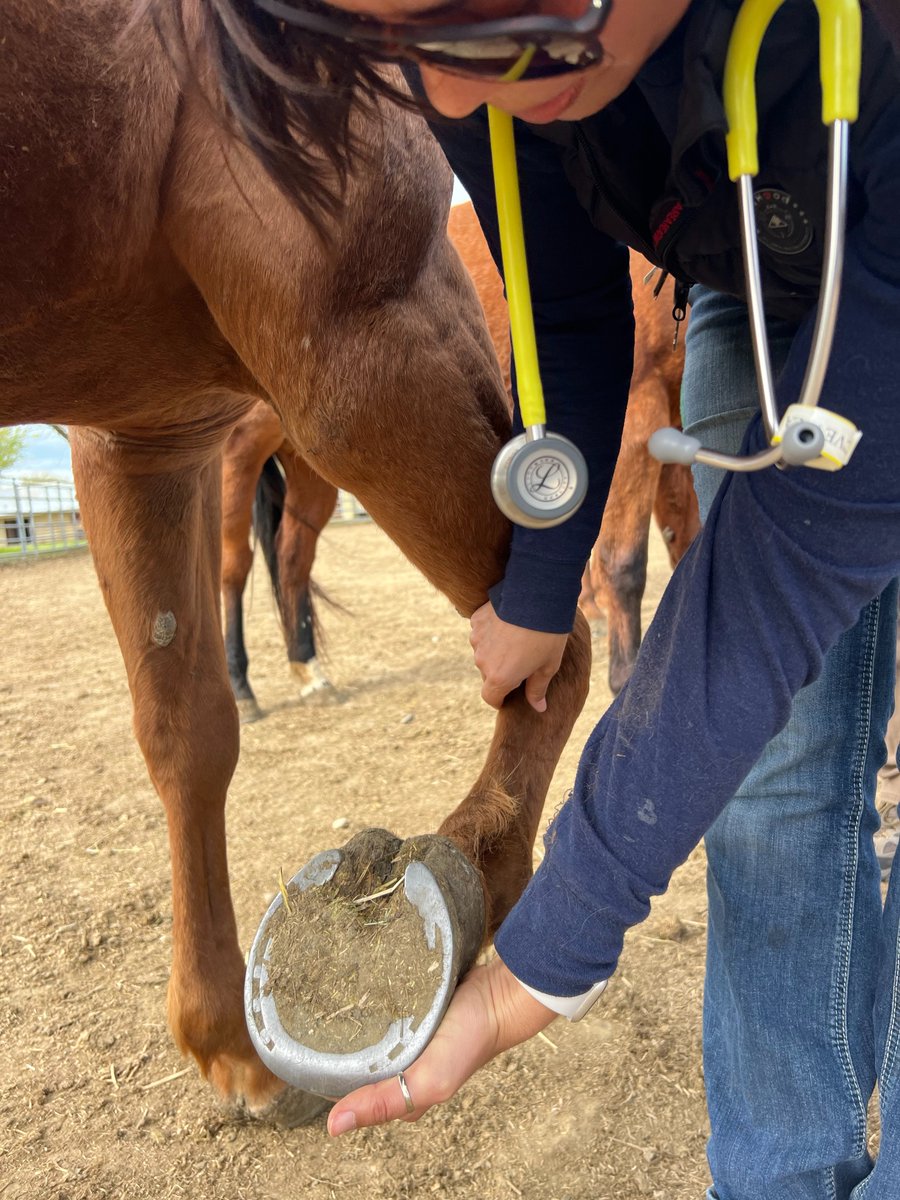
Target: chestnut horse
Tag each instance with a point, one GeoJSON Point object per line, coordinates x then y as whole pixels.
{"type": "Point", "coordinates": [299, 505]}
{"type": "Point", "coordinates": [156, 285]}
{"type": "Point", "coordinates": [292, 506]}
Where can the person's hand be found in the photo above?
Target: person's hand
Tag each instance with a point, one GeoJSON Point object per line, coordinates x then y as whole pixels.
{"type": "Point", "coordinates": [508, 654]}
{"type": "Point", "coordinates": [490, 1011]}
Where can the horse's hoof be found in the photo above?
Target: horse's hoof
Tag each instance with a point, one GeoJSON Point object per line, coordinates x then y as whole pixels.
{"type": "Point", "coordinates": [291, 1108]}
{"type": "Point", "coordinates": [248, 711]}
{"type": "Point", "coordinates": [355, 962]}
{"type": "Point", "coordinates": [315, 686]}
{"type": "Point", "coordinates": [323, 693]}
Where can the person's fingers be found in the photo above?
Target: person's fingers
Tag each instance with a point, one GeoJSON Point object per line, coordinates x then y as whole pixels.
{"type": "Point", "coordinates": [490, 1011]}
{"type": "Point", "coordinates": [376, 1104]}
{"type": "Point", "coordinates": [494, 692]}
{"type": "Point", "coordinates": [536, 689]}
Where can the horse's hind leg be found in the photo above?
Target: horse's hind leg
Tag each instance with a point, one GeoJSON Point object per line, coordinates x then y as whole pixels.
{"type": "Point", "coordinates": [675, 507]}
{"type": "Point", "coordinates": [309, 503]}
{"type": "Point", "coordinates": [676, 510]}
{"type": "Point", "coordinates": [255, 437]}
{"type": "Point", "coordinates": [619, 559]}
{"type": "Point", "coordinates": [154, 531]}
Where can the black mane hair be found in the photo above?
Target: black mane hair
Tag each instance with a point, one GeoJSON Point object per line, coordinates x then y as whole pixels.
{"type": "Point", "coordinates": [287, 94]}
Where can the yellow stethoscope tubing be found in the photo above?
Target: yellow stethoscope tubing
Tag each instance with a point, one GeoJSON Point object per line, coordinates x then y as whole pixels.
{"type": "Point", "coordinates": [512, 250]}
{"type": "Point", "coordinates": [840, 54]}
{"type": "Point", "coordinates": [515, 268]}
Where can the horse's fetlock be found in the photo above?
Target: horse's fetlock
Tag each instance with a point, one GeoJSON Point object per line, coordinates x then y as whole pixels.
{"type": "Point", "coordinates": [626, 575]}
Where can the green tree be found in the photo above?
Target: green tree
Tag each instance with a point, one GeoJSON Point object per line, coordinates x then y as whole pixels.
{"type": "Point", "coordinates": [12, 443]}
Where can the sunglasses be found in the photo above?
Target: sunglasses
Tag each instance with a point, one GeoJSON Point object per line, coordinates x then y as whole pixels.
{"type": "Point", "coordinates": [530, 46]}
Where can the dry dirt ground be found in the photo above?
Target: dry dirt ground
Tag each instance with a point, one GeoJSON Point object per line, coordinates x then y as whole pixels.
{"type": "Point", "coordinates": [95, 1101]}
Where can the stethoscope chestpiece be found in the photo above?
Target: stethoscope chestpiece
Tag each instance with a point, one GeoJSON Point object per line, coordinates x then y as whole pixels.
{"type": "Point", "coordinates": [539, 479]}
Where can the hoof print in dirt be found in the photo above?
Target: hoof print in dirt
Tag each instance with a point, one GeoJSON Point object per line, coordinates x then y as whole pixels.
{"type": "Point", "coordinates": [355, 961]}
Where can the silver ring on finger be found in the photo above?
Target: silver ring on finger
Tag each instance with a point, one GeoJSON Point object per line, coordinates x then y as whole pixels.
{"type": "Point", "coordinates": [407, 1098]}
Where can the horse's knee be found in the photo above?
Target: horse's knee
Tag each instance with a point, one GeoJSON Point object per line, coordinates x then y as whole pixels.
{"type": "Point", "coordinates": [189, 735]}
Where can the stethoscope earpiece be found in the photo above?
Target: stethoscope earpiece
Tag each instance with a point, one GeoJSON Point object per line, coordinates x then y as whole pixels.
{"type": "Point", "coordinates": [795, 445]}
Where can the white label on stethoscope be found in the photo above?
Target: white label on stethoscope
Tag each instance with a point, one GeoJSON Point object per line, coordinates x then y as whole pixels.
{"type": "Point", "coordinates": [841, 435]}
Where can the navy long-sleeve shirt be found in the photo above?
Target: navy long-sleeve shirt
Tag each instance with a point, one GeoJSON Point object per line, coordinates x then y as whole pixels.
{"type": "Point", "coordinates": [784, 564]}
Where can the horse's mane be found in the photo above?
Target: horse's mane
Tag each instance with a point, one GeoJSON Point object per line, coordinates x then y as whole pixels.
{"type": "Point", "coordinates": [287, 95]}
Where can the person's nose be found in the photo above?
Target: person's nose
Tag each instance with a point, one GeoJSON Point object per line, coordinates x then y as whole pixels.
{"type": "Point", "coordinates": [454, 95]}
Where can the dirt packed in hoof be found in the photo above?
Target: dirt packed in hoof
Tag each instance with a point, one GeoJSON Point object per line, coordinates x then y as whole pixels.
{"type": "Point", "coordinates": [346, 962]}
{"type": "Point", "coordinates": [96, 1102]}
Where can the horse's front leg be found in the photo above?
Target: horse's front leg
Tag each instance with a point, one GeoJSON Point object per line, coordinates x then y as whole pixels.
{"type": "Point", "coordinates": [422, 470]}
{"type": "Point", "coordinates": [154, 532]}
{"type": "Point", "coordinates": [619, 558]}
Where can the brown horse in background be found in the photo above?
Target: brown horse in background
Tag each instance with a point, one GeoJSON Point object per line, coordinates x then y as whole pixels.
{"type": "Point", "coordinates": [155, 286]}
{"type": "Point", "coordinates": [266, 483]}
{"type": "Point", "coordinates": [291, 512]}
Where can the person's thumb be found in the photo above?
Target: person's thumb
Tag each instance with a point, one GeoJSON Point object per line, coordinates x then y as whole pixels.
{"type": "Point", "coordinates": [536, 690]}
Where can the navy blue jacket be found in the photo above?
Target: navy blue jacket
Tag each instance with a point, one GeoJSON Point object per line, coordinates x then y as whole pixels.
{"type": "Point", "coordinates": [786, 560]}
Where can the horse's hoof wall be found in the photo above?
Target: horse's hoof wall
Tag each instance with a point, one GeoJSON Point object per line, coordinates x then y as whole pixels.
{"type": "Point", "coordinates": [355, 961]}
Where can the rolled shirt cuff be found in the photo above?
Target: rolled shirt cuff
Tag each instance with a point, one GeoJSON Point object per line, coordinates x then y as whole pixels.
{"type": "Point", "coordinates": [573, 1008]}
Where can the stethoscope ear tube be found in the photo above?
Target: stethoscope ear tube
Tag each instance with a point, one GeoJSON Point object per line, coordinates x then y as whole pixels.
{"type": "Point", "coordinates": [840, 66]}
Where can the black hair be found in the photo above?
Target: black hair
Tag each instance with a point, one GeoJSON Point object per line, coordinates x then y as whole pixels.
{"type": "Point", "coordinates": [288, 94]}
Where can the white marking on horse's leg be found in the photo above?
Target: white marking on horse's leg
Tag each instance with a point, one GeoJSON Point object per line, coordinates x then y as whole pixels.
{"type": "Point", "coordinates": [312, 677]}
{"type": "Point", "coordinates": [164, 626]}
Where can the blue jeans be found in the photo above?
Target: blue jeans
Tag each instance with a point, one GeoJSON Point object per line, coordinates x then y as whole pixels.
{"type": "Point", "coordinates": [801, 1009]}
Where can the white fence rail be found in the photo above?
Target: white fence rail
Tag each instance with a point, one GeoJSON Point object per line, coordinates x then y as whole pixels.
{"type": "Point", "coordinates": [348, 508]}
{"type": "Point", "coordinates": [38, 518]}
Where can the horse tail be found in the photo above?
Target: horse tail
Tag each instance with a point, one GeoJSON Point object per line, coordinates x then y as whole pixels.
{"type": "Point", "coordinates": [268, 509]}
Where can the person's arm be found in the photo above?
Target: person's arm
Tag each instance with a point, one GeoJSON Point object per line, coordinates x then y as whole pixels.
{"type": "Point", "coordinates": [581, 298]}
{"type": "Point", "coordinates": [784, 565]}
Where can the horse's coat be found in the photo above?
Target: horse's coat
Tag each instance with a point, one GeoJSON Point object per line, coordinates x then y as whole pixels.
{"type": "Point", "coordinates": [615, 579]}
{"type": "Point", "coordinates": [156, 285]}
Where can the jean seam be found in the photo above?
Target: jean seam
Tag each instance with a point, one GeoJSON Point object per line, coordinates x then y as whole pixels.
{"type": "Point", "coordinates": [832, 1184]}
{"type": "Point", "coordinates": [890, 1042]}
{"type": "Point", "coordinates": [848, 899]}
